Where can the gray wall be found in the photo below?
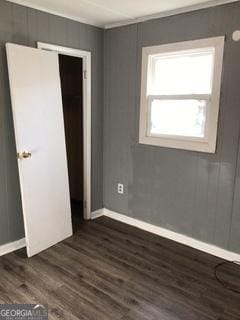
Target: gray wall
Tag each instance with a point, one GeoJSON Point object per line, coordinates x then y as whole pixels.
{"type": "Point", "coordinates": [187, 192]}
{"type": "Point", "coordinates": [25, 26]}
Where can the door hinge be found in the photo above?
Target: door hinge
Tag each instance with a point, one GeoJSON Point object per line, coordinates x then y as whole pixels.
{"type": "Point", "coordinates": [85, 74]}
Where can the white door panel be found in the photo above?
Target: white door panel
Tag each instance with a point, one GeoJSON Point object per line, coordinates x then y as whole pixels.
{"type": "Point", "coordinates": [39, 129]}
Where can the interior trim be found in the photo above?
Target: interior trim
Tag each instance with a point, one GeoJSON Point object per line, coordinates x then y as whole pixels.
{"type": "Point", "coordinates": [25, 3]}
{"type": "Point", "coordinates": [165, 233]}
{"type": "Point", "coordinates": [12, 246]}
{"type": "Point", "coordinates": [87, 118]}
{"type": "Point", "coordinates": [162, 232]}
{"type": "Point", "coordinates": [168, 13]}
{"type": "Point", "coordinates": [97, 214]}
{"type": "Point", "coordinates": [207, 143]}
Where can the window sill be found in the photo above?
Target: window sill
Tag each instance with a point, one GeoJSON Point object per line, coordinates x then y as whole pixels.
{"type": "Point", "coordinates": [190, 145]}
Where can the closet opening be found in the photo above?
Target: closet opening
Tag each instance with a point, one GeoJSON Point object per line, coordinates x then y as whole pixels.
{"type": "Point", "coordinates": [71, 75]}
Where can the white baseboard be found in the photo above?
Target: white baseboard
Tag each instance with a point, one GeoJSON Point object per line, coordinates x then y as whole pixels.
{"type": "Point", "coordinates": [12, 246]}
{"type": "Point", "coordinates": [97, 214]}
{"type": "Point", "coordinates": [188, 241]}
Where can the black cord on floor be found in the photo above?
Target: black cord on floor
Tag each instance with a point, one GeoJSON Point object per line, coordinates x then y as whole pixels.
{"type": "Point", "coordinates": [222, 282]}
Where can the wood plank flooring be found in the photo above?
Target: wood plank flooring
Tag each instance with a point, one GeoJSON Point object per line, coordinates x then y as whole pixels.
{"type": "Point", "coordinates": [111, 271]}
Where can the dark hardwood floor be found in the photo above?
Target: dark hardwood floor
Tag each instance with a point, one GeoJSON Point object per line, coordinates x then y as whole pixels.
{"type": "Point", "coordinates": [109, 271]}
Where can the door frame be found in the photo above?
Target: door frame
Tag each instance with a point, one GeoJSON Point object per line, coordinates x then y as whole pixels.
{"type": "Point", "coordinates": [86, 56]}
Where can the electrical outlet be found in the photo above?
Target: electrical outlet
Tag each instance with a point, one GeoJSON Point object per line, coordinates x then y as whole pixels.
{"type": "Point", "coordinates": [120, 188]}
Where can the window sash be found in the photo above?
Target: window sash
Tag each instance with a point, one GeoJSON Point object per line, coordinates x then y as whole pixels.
{"type": "Point", "coordinates": [151, 98]}
{"type": "Point", "coordinates": [152, 60]}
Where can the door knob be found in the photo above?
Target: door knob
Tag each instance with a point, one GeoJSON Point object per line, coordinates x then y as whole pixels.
{"type": "Point", "coordinates": [24, 155]}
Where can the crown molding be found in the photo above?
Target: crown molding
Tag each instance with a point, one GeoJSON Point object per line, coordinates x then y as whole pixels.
{"type": "Point", "coordinates": [56, 13]}
{"type": "Point", "coordinates": [169, 13]}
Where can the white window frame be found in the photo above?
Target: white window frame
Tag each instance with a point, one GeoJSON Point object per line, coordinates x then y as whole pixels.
{"type": "Point", "coordinates": [206, 144]}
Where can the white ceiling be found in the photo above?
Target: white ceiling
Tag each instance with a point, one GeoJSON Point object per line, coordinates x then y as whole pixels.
{"type": "Point", "coordinates": [107, 13]}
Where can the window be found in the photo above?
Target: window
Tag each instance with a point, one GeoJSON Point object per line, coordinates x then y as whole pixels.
{"type": "Point", "coordinates": [180, 94]}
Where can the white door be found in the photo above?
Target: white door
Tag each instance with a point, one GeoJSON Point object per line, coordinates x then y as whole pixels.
{"type": "Point", "coordinates": [40, 140]}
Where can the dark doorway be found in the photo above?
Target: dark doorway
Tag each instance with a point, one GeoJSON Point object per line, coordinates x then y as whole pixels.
{"type": "Point", "coordinates": [71, 74]}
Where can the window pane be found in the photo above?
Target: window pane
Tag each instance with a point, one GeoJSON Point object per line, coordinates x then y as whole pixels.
{"type": "Point", "coordinates": [182, 73]}
{"type": "Point", "coordinates": [178, 117]}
